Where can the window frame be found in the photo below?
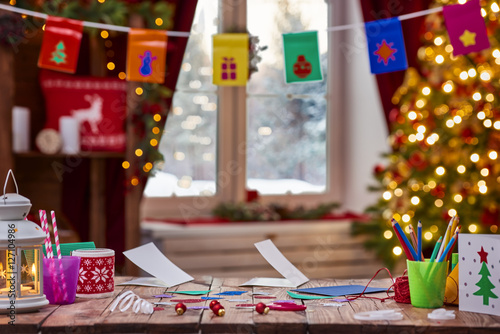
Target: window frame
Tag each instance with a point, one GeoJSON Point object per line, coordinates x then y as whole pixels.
{"type": "Point", "coordinates": [231, 154]}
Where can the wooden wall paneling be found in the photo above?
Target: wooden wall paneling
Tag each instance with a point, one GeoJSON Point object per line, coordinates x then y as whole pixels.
{"type": "Point", "coordinates": [98, 222]}
{"type": "Point", "coordinates": [6, 94]}
{"type": "Point", "coordinates": [134, 193]}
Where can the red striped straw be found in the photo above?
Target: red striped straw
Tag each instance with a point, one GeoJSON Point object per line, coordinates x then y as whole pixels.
{"type": "Point", "coordinates": [58, 249]}
{"type": "Point", "coordinates": [50, 253]}
{"type": "Point", "coordinates": [56, 235]}
{"type": "Point", "coordinates": [45, 230]}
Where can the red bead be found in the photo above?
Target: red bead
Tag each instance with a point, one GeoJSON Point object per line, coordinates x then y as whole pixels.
{"type": "Point", "coordinates": [213, 303]}
{"type": "Point", "coordinates": [219, 310]}
{"type": "Point", "coordinates": [180, 308]}
{"type": "Point", "coordinates": [262, 308]}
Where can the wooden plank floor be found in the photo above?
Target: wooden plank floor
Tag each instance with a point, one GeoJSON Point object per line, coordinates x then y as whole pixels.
{"type": "Point", "coordinates": [94, 315]}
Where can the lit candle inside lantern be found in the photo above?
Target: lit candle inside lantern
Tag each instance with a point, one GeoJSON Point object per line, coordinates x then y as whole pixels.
{"type": "Point", "coordinates": [34, 273]}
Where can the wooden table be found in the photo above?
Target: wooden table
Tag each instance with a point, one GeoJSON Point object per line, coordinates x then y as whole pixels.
{"type": "Point", "coordinates": [94, 316]}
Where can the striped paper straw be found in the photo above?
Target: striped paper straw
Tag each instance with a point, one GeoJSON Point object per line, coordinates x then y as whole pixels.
{"type": "Point", "coordinates": [50, 253]}
{"type": "Point", "coordinates": [44, 229]}
{"type": "Point", "coordinates": [58, 249]}
{"type": "Point", "coordinates": [56, 235]}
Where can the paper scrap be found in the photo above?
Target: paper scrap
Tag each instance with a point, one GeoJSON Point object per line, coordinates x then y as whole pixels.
{"type": "Point", "coordinates": [260, 293]}
{"type": "Point", "coordinates": [298, 296]}
{"type": "Point", "coordinates": [197, 307]}
{"type": "Point", "coordinates": [333, 304]}
{"type": "Point", "coordinates": [149, 258]}
{"type": "Point", "coordinates": [194, 292]}
{"type": "Point", "coordinates": [162, 296]}
{"type": "Point", "coordinates": [272, 282]}
{"type": "Point", "coordinates": [340, 290]}
{"type": "Point", "coordinates": [230, 293]}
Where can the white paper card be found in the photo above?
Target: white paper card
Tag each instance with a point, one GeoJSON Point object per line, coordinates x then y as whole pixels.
{"type": "Point", "coordinates": [293, 276]}
{"type": "Point", "coordinates": [149, 258]}
{"type": "Point", "coordinates": [479, 273]}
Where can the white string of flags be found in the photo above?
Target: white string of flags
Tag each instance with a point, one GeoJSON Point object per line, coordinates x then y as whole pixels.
{"type": "Point", "coordinates": [386, 47]}
{"type": "Point", "coordinates": [113, 27]}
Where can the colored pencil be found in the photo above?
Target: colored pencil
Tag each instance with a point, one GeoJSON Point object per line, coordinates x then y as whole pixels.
{"type": "Point", "coordinates": [448, 248]}
{"type": "Point", "coordinates": [403, 245]}
{"type": "Point", "coordinates": [412, 256]}
{"type": "Point", "coordinates": [444, 243]}
{"type": "Point", "coordinates": [414, 242]}
{"type": "Point", "coordinates": [419, 241]}
{"type": "Point", "coordinates": [436, 249]}
{"type": "Point", "coordinates": [456, 240]}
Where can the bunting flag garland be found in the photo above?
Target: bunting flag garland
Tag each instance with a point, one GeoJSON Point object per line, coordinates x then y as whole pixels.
{"type": "Point", "coordinates": [146, 55]}
{"type": "Point", "coordinates": [302, 63]}
{"type": "Point", "coordinates": [386, 46]}
{"type": "Point", "coordinates": [466, 27]}
{"type": "Point", "coordinates": [230, 59]}
{"type": "Point", "coordinates": [61, 44]}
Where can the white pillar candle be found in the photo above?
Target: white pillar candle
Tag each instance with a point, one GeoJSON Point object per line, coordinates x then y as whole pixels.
{"type": "Point", "coordinates": [69, 128]}
{"type": "Point", "coordinates": [20, 129]}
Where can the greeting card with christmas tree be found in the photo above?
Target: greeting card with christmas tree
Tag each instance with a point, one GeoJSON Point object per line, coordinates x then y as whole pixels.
{"type": "Point", "coordinates": [479, 273]}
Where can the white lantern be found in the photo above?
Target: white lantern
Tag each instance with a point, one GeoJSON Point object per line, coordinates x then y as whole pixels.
{"type": "Point", "coordinates": [21, 276]}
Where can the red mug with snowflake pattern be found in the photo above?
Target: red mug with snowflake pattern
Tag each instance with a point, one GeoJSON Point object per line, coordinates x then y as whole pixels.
{"type": "Point", "coordinates": [96, 278]}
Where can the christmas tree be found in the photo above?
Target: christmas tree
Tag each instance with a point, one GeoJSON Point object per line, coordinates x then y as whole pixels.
{"type": "Point", "coordinates": [445, 138]}
{"type": "Point", "coordinates": [484, 284]}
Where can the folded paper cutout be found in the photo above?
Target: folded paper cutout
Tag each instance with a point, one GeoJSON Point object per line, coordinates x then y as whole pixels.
{"type": "Point", "coordinates": [293, 276]}
{"type": "Point", "coordinates": [466, 27]}
{"type": "Point", "coordinates": [386, 46]}
{"type": "Point", "coordinates": [149, 258]}
{"type": "Point", "coordinates": [146, 55]}
{"type": "Point", "coordinates": [302, 62]}
{"type": "Point", "coordinates": [61, 44]}
{"type": "Point", "coordinates": [230, 59]}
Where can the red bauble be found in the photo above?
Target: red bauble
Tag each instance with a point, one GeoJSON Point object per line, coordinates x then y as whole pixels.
{"type": "Point", "coordinates": [467, 133]}
{"type": "Point", "coordinates": [379, 169]}
{"type": "Point", "coordinates": [213, 303]}
{"type": "Point", "coordinates": [262, 308]}
{"type": "Point", "coordinates": [393, 115]}
{"type": "Point", "coordinates": [218, 310]}
{"type": "Point", "coordinates": [180, 308]}
{"type": "Point", "coordinates": [417, 160]}
{"type": "Point", "coordinates": [490, 216]}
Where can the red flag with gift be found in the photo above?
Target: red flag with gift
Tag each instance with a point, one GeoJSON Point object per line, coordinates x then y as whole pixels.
{"type": "Point", "coordinates": [61, 44]}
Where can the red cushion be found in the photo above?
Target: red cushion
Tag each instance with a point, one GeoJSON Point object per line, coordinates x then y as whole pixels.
{"type": "Point", "coordinates": [98, 103]}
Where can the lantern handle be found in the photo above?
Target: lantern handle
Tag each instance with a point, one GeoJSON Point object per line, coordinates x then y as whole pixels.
{"type": "Point", "coordinates": [6, 181]}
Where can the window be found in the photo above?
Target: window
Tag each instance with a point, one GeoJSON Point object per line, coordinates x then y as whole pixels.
{"type": "Point", "coordinates": [283, 140]}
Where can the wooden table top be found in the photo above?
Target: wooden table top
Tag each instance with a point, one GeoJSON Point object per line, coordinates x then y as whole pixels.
{"type": "Point", "coordinates": [94, 315]}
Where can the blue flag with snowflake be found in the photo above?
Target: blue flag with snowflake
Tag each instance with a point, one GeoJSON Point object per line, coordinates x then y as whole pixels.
{"type": "Point", "coordinates": [386, 46]}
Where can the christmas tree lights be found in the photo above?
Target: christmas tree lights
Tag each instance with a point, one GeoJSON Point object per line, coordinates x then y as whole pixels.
{"type": "Point", "coordinates": [445, 138]}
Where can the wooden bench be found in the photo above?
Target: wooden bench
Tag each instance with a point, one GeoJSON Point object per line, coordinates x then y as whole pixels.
{"type": "Point", "coordinates": [318, 248]}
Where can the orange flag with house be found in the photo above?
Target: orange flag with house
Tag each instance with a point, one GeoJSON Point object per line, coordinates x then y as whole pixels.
{"type": "Point", "coordinates": [146, 55]}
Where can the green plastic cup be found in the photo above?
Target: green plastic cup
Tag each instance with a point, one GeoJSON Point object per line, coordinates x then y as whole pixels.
{"type": "Point", "coordinates": [427, 281]}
